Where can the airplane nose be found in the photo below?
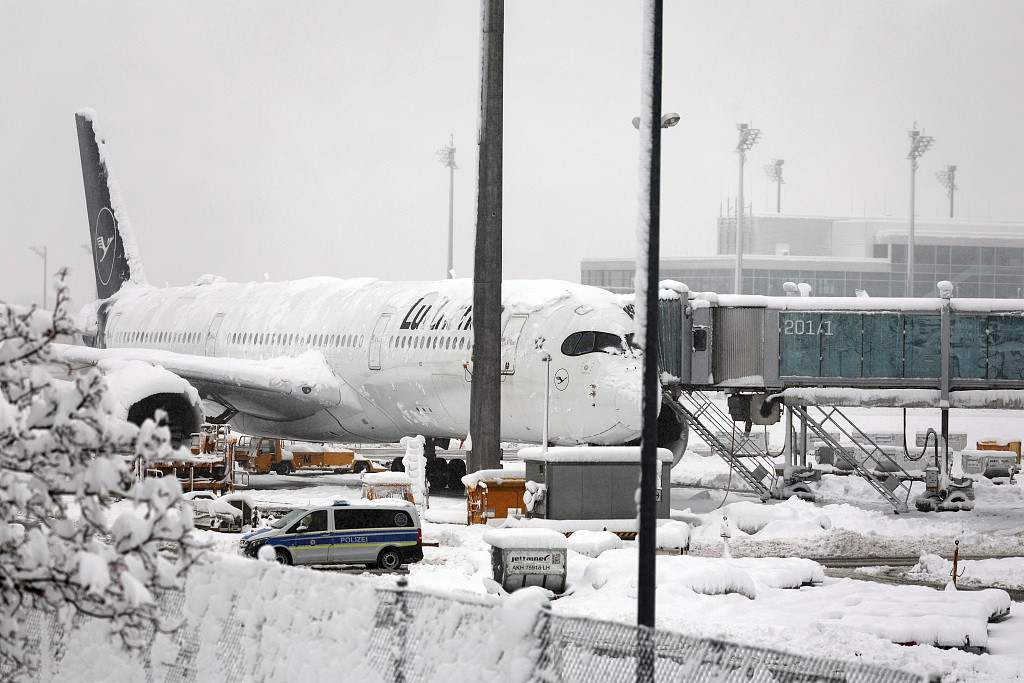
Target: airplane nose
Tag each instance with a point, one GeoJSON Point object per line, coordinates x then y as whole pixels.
{"type": "Point", "coordinates": [628, 400]}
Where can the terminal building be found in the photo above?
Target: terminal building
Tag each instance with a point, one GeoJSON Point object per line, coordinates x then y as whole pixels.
{"type": "Point", "coordinates": [838, 256]}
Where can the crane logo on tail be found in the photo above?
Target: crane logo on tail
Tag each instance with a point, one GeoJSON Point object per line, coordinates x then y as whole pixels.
{"type": "Point", "coordinates": [106, 244]}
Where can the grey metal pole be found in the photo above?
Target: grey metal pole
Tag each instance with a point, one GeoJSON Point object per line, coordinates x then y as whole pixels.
{"type": "Point", "coordinates": [952, 188]}
{"type": "Point", "coordinates": [738, 283]}
{"type": "Point", "coordinates": [546, 357]}
{"type": "Point", "coordinates": [778, 194]}
{"type": "Point", "coordinates": [651, 181]}
{"type": "Point", "coordinates": [910, 236]}
{"type": "Point", "coordinates": [485, 390]}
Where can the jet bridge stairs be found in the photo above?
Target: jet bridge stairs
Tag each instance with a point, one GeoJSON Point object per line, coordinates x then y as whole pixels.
{"type": "Point", "coordinates": [758, 469]}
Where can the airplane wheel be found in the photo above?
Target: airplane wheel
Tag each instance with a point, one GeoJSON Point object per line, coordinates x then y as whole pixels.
{"type": "Point", "coordinates": [437, 473]}
{"type": "Point", "coordinates": [456, 471]}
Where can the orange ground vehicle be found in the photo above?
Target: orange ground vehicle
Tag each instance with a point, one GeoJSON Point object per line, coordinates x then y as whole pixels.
{"type": "Point", "coordinates": [209, 467]}
{"type": "Point", "coordinates": [495, 494]}
{"type": "Point", "coordinates": [261, 455]}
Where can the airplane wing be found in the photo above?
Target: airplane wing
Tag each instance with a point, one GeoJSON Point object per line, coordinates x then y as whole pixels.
{"type": "Point", "coordinates": [275, 389]}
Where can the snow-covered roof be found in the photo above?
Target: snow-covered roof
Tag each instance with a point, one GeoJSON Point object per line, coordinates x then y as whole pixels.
{"type": "Point", "coordinates": [525, 538]}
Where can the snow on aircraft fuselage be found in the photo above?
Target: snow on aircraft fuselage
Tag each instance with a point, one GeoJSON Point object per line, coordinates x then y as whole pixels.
{"type": "Point", "coordinates": [324, 359]}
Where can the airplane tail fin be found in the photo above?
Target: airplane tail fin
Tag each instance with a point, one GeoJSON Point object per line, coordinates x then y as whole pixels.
{"type": "Point", "coordinates": [115, 253]}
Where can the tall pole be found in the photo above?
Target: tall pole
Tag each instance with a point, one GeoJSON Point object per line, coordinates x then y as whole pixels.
{"type": "Point", "coordinates": [485, 390]}
{"type": "Point", "coordinates": [948, 180]}
{"type": "Point", "coordinates": [748, 136]}
{"type": "Point", "coordinates": [774, 173]}
{"type": "Point", "coordinates": [778, 194]}
{"type": "Point", "coordinates": [737, 287]}
{"type": "Point", "coordinates": [919, 144]}
{"type": "Point", "coordinates": [447, 156]}
{"type": "Point", "coordinates": [546, 358]}
{"type": "Point", "coordinates": [648, 247]}
{"type": "Point", "coordinates": [910, 237]}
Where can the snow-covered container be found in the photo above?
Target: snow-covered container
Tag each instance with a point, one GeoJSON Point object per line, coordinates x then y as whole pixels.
{"type": "Point", "coordinates": [912, 461]}
{"type": "Point", "coordinates": [528, 557]}
{"type": "Point", "coordinates": [989, 463]}
{"type": "Point", "coordinates": [1000, 445]}
{"type": "Point", "coordinates": [495, 494]}
{"type": "Point", "coordinates": [956, 441]}
{"type": "Point", "coordinates": [590, 482]}
{"type": "Point", "coordinates": [378, 485]}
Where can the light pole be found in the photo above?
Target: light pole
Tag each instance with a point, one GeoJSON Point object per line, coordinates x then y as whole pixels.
{"type": "Point", "coordinates": [545, 357]}
{"type": "Point", "coordinates": [919, 144]}
{"type": "Point", "coordinates": [667, 121]}
{"type": "Point", "coordinates": [774, 173]}
{"type": "Point", "coordinates": [447, 156]}
{"type": "Point", "coordinates": [748, 136]}
{"type": "Point", "coordinates": [948, 180]}
{"type": "Point", "coordinates": [41, 252]}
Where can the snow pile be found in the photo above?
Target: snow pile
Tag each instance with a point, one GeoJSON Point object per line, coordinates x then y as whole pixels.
{"type": "Point", "coordinates": [615, 572]}
{"type": "Point", "coordinates": [1006, 572]}
{"type": "Point", "coordinates": [919, 615]}
{"type": "Point", "coordinates": [415, 465]}
{"type": "Point", "coordinates": [299, 625]}
{"type": "Point", "coordinates": [693, 469]}
{"type": "Point", "coordinates": [386, 478]}
{"type": "Point", "coordinates": [534, 495]}
{"type": "Point", "coordinates": [511, 472]}
{"type": "Point", "coordinates": [674, 535]}
{"type": "Point", "coordinates": [593, 543]}
{"type": "Point", "coordinates": [526, 538]}
{"type": "Point", "coordinates": [790, 518]}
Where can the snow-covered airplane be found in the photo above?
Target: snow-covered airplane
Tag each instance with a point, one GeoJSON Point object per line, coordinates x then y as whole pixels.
{"type": "Point", "coordinates": [356, 360]}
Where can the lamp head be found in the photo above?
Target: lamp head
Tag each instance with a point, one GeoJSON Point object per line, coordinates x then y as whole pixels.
{"type": "Point", "coordinates": [670, 119]}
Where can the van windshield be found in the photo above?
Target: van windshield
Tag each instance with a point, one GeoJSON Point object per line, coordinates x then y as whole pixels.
{"type": "Point", "coordinates": [288, 519]}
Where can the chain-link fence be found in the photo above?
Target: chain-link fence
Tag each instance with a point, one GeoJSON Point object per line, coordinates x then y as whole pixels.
{"type": "Point", "coordinates": [414, 637]}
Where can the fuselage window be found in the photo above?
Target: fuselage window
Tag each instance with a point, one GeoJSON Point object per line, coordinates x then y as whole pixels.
{"type": "Point", "coordinates": [360, 340]}
{"type": "Point", "coordinates": [462, 342]}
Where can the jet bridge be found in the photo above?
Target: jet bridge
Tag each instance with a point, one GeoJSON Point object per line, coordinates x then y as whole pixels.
{"type": "Point", "coordinates": [831, 352]}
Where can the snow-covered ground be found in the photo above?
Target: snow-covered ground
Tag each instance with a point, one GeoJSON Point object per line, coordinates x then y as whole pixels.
{"type": "Point", "coordinates": [763, 589]}
{"type": "Point", "coordinates": [755, 597]}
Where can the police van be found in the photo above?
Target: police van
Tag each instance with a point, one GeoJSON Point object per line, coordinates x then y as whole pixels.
{"type": "Point", "coordinates": [383, 533]}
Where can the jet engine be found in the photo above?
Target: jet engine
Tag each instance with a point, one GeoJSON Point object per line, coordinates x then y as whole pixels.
{"type": "Point", "coordinates": [142, 389]}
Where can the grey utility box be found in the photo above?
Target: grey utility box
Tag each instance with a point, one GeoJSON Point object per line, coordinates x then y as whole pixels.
{"type": "Point", "coordinates": [528, 557]}
{"type": "Point", "coordinates": [590, 482]}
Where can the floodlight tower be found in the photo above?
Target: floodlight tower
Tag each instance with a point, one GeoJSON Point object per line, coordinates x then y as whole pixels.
{"type": "Point", "coordinates": [948, 180]}
{"type": "Point", "coordinates": [447, 156]}
{"type": "Point", "coordinates": [774, 173]}
{"type": "Point", "coordinates": [919, 144]}
{"type": "Point", "coordinates": [748, 136]}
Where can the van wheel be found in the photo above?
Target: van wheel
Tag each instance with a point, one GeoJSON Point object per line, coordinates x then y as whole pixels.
{"type": "Point", "coordinates": [389, 559]}
{"type": "Point", "coordinates": [282, 556]}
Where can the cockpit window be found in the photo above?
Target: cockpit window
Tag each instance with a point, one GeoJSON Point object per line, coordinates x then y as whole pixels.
{"type": "Point", "coordinates": [581, 343]}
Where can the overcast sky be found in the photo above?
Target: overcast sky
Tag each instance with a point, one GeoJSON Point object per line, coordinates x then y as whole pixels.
{"type": "Point", "coordinates": [289, 139]}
